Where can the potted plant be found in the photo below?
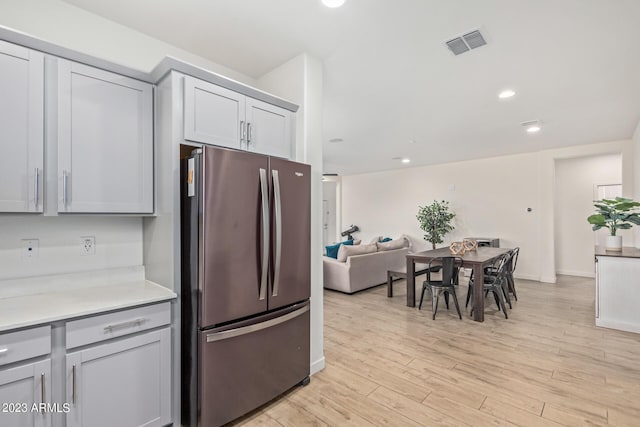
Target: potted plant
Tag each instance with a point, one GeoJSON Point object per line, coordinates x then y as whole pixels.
{"type": "Point", "coordinates": [617, 214]}
{"type": "Point", "coordinates": [435, 220]}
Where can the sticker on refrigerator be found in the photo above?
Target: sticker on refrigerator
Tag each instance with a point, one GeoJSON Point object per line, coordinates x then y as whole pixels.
{"type": "Point", "coordinates": [191, 186]}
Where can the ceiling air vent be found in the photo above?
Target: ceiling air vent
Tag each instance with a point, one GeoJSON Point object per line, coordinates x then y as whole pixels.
{"type": "Point", "coordinates": [471, 40]}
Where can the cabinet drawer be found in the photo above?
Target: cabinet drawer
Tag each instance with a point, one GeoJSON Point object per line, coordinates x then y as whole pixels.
{"type": "Point", "coordinates": [99, 328]}
{"type": "Point", "coordinates": [26, 344]}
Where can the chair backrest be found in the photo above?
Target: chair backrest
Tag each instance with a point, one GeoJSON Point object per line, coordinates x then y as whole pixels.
{"type": "Point", "coordinates": [514, 258]}
{"type": "Point", "coordinates": [502, 267]}
{"type": "Point", "coordinates": [450, 267]}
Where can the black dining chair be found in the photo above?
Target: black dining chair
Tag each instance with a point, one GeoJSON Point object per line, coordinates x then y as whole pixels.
{"type": "Point", "coordinates": [450, 268]}
{"type": "Point", "coordinates": [496, 283]}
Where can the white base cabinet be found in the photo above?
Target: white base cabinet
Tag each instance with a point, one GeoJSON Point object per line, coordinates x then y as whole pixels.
{"type": "Point", "coordinates": [121, 383]}
{"type": "Point", "coordinates": [22, 391]}
{"type": "Point", "coordinates": [618, 293]}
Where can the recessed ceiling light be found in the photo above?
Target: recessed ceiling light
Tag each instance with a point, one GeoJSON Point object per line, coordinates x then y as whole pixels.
{"type": "Point", "coordinates": [532, 126]}
{"type": "Point", "coordinates": [508, 93]}
{"type": "Point", "coordinates": [333, 3]}
{"type": "Point", "coordinates": [405, 160]}
{"type": "Point", "coordinates": [335, 140]}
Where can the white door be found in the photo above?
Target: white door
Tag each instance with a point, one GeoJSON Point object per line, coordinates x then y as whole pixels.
{"type": "Point", "coordinates": [21, 128]}
{"type": "Point", "coordinates": [122, 383]}
{"type": "Point", "coordinates": [268, 129]}
{"type": "Point", "coordinates": [605, 191]}
{"type": "Point", "coordinates": [105, 141]}
{"type": "Point", "coordinates": [213, 115]}
{"type": "Point", "coordinates": [22, 387]}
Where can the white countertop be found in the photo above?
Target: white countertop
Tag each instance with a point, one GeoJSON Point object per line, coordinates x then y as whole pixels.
{"type": "Point", "coordinates": [67, 302]}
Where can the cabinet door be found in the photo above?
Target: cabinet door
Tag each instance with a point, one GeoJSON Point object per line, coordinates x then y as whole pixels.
{"type": "Point", "coordinates": [268, 129]}
{"type": "Point", "coordinates": [213, 115]}
{"type": "Point", "coordinates": [21, 128]}
{"type": "Point", "coordinates": [121, 383]}
{"type": "Point", "coordinates": [105, 141]}
{"type": "Point", "coordinates": [22, 387]}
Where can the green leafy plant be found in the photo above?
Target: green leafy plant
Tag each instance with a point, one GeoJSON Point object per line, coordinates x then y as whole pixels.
{"type": "Point", "coordinates": [435, 220]}
{"type": "Point", "coordinates": [616, 214]}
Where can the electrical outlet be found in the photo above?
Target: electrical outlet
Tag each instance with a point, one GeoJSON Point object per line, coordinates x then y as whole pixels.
{"type": "Point", "coordinates": [87, 245]}
{"type": "Point", "coordinates": [30, 248]}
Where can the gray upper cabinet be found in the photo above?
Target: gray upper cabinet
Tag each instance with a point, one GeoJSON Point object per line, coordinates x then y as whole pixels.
{"type": "Point", "coordinates": [212, 114]}
{"type": "Point", "coordinates": [105, 141]}
{"type": "Point", "coordinates": [268, 129]}
{"type": "Point", "coordinates": [21, 129]}
{"type": "Point", "coordinates": [219, 116]}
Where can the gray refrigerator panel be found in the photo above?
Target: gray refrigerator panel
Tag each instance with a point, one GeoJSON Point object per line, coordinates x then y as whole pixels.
{"type": "Point", "coordinates": [290, 232]}
{"type": "Point", "coordinates": [256, 361]}
{"type": "Point", "coordinates": [233, 252]}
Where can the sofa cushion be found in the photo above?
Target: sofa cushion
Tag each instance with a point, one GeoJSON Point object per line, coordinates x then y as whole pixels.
{"type": "Point", "coordinates": [345, 252]}
{"type": "Point", "coordinates": [392, 244]}
{"type": "Point", "coordinates": [332, 250]}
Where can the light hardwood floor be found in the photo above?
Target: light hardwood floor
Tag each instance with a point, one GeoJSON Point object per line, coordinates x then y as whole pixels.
{"type": "Point", "coordinates": [388, 364]}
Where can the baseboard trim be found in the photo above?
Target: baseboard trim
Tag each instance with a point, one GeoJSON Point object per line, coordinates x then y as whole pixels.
{"type": "Point", "coordinates": [548, 279]}
{"type": "Point", "coordinates": [527, 277]}
{"type": "Point", "coordinates": [590, 274]}
{"type": "Point", "coordinates": [621, 326]}
{"type": "Point", "coordinates": [318, 365]}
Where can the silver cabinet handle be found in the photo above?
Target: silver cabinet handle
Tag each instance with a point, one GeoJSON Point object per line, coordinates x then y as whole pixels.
{"type": "Point", "coordinates": [73, 384]}
{"type": "Point", "coordinates": [65, 179]}
{"type": "Point", "coordinates": [42, 387]}
{"type": "Point", "coordinates": [3, 350]}
{"type": "Point", "coordinates": [264, 190]}
{"type": "Point", "coordinates": [243, 133]}
{"type": "Point", "coordinates": [36, 187]}
{"type": "Point", "coordinates": [249, 133]}
{"type": "Point", "coordinates": [278, 215]}
{"type": "Point", "coordinates": [123, 325]}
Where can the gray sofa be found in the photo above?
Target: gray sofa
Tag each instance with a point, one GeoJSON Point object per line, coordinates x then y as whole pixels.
{"type": "Point", "coordinates": [362, 271]}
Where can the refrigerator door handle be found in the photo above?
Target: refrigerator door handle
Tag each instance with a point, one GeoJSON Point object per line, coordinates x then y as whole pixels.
{"type": "Point", "coordinates": [231, 333]}
{"type": "Point", "coordinates": [278, 217]}
{"type": "Point", "coordinates": [264, 189]}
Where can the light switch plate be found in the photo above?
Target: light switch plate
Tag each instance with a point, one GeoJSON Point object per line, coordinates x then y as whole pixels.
{"type": "Point", "coordinates": [30, 248]}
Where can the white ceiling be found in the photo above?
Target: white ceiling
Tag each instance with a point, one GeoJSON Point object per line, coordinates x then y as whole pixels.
{"type": "Point", "coordinates": [388, 78]}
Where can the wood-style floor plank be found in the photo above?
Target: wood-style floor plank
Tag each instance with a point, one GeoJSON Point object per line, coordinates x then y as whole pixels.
{"type": "Point", "coordinates": [388, 364]}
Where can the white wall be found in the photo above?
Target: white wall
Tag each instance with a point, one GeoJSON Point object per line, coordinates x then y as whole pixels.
{"type": "Point", "coordinates": [72, 27]}
{"type": "Point", "coordinates": [300, 80]}
{"type": "Point", "coordinates": [490, 198]}
{"type": "Point", "coordinates": [118, 244]}
{"type": "Point", "coordinates": [574, 195]}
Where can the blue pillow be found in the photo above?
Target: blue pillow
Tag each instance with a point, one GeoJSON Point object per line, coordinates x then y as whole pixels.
{"type": "Point", "coordinates": [386, 239]}
{"type": "Point", "coordinates": [332, 250]}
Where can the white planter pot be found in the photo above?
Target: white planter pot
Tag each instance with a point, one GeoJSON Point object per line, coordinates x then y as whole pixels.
{"type": "Point", "coordinates": [613, 243]}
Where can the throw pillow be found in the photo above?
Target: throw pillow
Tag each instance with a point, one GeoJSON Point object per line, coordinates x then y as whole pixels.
{"type": "Point", "coordinates": [392, 244]}
{"type": "Point", "coordinates": [346, 251]}
{"type": "Point", "coordinates": [332, 250]}
{"type": "Point", "coordinates": [356, 242]}
{"type": "Point", "coordinates": [386, 239]}
{"type": "Point", "coordinates": [375, 240]}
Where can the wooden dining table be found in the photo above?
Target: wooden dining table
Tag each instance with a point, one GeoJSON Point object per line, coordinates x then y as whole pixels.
{"type": "Point", "coordinates": [477, 260]}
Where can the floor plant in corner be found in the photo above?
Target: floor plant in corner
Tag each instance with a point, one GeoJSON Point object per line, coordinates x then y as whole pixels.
{"type": "Point", "coordinates": [436, 221]}
{"type": "Point", "coordinates": [615, 214]}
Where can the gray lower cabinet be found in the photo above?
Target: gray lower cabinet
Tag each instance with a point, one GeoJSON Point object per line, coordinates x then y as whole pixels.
{"type": "Point", "coordinates": [25, 378]}
{"type": "Point", "coordinates": [121, 383]}
{"type": "Point", "coordinates": [118, 368]}
{"type": "Point", "coordinates": [22, 391]}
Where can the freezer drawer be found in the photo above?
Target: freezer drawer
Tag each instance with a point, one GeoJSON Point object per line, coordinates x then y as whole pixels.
{"type": "Point", "coordinates": [246, 366]}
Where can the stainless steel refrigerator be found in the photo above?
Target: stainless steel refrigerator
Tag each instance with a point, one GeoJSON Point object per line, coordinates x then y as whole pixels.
{"type": "Point", "coordinates": [245, 282]}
